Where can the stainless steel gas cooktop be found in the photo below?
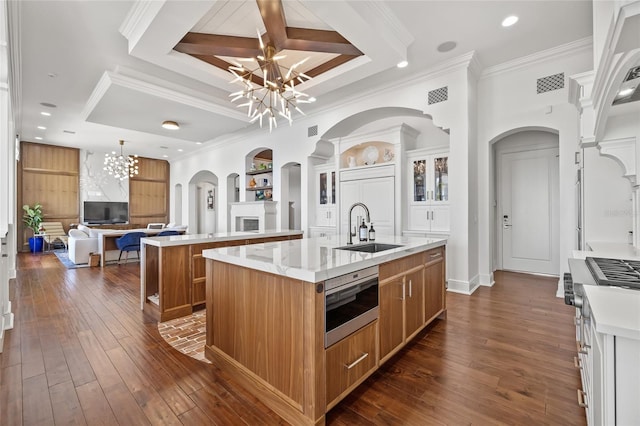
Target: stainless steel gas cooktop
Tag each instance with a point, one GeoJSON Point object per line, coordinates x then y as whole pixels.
{"type": "Point", "coordinates": [615, 272]}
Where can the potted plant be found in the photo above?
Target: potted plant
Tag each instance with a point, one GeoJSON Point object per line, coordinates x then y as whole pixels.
{"type": "Point", "coordinates": [32, 218]}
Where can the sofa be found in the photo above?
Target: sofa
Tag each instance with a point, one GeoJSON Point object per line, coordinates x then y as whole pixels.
{"type": "Point", "coordinates": [82, 241]}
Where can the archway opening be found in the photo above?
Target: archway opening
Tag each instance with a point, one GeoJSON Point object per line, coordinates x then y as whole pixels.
{"type": "Point", "coordinates": [525, 189]}
{"type": "Point", "coordinates": [203, 201]}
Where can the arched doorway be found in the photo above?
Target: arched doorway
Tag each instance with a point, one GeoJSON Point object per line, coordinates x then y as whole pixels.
{"type": "Point", "coordinates": [177, 205]}
{"type": "Point", "coordinates": [526, 193]}
{"type": "Point", "coordinates": [233, 195]}
{"type": "Point", "coordinates": [290, 180]}
{"type": "Point", "coordinates": [203, 201]}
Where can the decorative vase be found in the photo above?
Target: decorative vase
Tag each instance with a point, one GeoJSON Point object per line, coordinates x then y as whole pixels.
{"type": "Point", "coordinates": [36, 244]}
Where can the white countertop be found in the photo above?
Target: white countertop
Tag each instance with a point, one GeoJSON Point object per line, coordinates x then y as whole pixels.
{"type": "Point", "coordinates": [615, 310]}
{"type": "Point", "coordinates": [317, 259]}
{"type": "Point", "coordinates": [608, 250]}
{"type": "Point", "coordinates": [178, 240]}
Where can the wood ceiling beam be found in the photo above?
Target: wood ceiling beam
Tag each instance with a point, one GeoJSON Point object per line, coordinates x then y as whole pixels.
{"type": "Point", "coordinates": [213, 44]}
{"type": "Point", "coordinates": [329, 65]}
{"type": "Point", "coordinates": [272, 14]}
{"type": "Point", "coordinates": [224, 65]}
{"type": "Point", "coordinates": [319, 41]}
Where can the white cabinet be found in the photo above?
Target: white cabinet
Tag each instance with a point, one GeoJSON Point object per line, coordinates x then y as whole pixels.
{"type": "Point", "coordinates": [376, 189]}
{"type": "Point", "coordinates": [609, 372]}
{"type": "Point", "coordinates": [428, 185]}
{"type": "Point", "coordinates": [325, 195]}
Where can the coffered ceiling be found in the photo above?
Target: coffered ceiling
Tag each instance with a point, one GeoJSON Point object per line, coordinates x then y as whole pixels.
{"type": "Point", "coordinates": [118, 69]}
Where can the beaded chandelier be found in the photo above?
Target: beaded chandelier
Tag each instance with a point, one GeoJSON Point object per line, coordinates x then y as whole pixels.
{"type": "Point", "coordinates": [121, 166]}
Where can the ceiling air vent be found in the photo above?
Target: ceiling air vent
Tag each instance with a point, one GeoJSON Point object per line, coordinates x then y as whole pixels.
{"type": "Point", "coordinates": [312, 131]}
{"type": "Point", "coordinates": [438, 95]}
{"type": "Point", "coordinates": [550, 83]}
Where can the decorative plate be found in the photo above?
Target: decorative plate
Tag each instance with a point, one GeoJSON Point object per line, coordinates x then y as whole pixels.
{"type": "Point", "coordinates": [370, 155]}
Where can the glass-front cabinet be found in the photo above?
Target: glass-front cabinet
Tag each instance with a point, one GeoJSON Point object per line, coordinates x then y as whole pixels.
{"type": "Point", "coordinates": [428, 181]}
{"type": "Point", "coordinates": [327, 185]}
{"type": "Point", "coordinates": [431, 179]}
{"type": "Point", "coordinates": [325, 178]}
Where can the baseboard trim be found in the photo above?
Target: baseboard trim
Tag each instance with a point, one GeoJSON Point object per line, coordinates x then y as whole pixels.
{"type": "Point", "coordinates": [463, 287]}
{"type": "Point", "coordinates": [486, 280]}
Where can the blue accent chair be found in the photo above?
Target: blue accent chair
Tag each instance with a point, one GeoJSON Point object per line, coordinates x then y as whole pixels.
{"type": "Point", "coordinates": [167, 232]}
{"type": "Point", "coordinates": [129, 242]}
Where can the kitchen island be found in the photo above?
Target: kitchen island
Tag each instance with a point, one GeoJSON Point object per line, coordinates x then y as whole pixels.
{"type": "Point", "coordinates": [172, 278]}
{"type": "Point", "coordinates": [266, 316]}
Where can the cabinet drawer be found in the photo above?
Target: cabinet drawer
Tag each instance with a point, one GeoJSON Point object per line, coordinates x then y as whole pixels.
{"type": "Point", "coordinates": [434, 255]}
{"type": "Point", "coordinates": [350, 361]}
{"type": "Point", "coordinates": [400, 266]}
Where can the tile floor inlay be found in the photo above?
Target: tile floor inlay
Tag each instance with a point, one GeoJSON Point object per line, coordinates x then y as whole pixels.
{"type": "Point", "coordinates": [187, 334]}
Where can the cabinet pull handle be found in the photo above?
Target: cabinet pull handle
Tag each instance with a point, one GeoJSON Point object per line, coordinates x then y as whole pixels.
{"type": "Point", "coordinates": [576, 363]}
{"type": "Point", "coordinates": [410, 287]}
{"type": "Point", "coordinates": [357, 361]}
{"type": "Point", "coordinates": [433, 256]}
{"type": "Point", "coordinates": [581, 402]}
{"type": "Point", "coordinates": [402, 290]}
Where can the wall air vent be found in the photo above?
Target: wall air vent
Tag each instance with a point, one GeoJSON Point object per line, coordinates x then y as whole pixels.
{"type": "Point", "coordinates": [550, 83]}
{"type": "Point", "coordinates": [312, 131]}
{"type": "Point", "coordinates": [438, 95]}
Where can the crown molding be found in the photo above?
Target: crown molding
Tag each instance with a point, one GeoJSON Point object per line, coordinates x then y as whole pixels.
{"type": "Point", "coordinates": [138, 20]}
{"type": "Point", "coordinates": [171, 94]}
{"type": "Point", "coordinates": [568, 49]}
{"type": "Point", "coordinates": [391, 23]}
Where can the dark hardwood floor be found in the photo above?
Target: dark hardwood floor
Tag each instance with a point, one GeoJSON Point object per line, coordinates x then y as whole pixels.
{"type": "Point", "coordinates": [82, 352]}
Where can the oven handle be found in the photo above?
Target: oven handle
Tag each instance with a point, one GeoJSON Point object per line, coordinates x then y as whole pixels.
{"type": "Point", "coordinates": [357, 361]}
{"type": "Point", "coordinates": [362, 283]}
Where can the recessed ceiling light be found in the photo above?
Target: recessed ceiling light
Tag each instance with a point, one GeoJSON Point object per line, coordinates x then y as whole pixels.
{"type": "Point", "coordinates": [170, 125]}
{"type": "Point", "coordinates": [180, 149]}
{"type": "Point", "coordinates": [402, 64]}
{"type": "Point", "coordinates": [447, 46]}
{"type": "Point", "coordinates": [165, 156]}
{"type": "Point", "coordinates": [627, 91]}
{"type": "Point", "coordinates": [48, 105]}
{"type": "Point", "coordinates": [46, 114]}
{"type": "Point", "coordinates": [42, 128]}
{"type": "Point", "coordinates": [200, 143]}
{"type": "Point", "coordinates": [509, 21]}
{"type": "Point", "coordinates": [312, 99]}
{"type": "Point", "coordinates": [38, 138]}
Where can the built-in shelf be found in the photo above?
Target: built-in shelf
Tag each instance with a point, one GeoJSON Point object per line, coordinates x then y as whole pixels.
{"type": "Point", "coordinates": [259, 172]}
{"type": "Point", "coordinates": [259, 188]}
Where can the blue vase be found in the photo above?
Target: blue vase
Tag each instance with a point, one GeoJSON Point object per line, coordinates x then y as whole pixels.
{"type": "Point", "coordinates": [36, 244]}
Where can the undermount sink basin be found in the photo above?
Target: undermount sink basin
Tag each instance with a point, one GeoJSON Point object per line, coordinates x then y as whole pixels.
{"type": "Point", "coordinates": [369, 247]}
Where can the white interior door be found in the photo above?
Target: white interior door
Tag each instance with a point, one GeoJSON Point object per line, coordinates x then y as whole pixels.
{"type": "Point", "coordinates": [528, 192]}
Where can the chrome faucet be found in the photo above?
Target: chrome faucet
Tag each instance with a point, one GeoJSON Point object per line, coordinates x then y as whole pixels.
{"type": "Point", "coordinates": [366, 209]}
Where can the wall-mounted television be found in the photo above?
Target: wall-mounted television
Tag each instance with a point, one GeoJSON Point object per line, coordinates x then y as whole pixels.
{"type": "Point", "coordinates": [100, 212]}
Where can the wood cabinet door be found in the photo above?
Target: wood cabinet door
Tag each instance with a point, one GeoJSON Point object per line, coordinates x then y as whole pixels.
{"type": "Point", "coordinates": [434, 300]}
{"type": "Point", "coordinates": [349, 361]}
{"type": "Point", "coordinates": [391, 316]}
{"type": "Point", "coordinates": [414, 304]}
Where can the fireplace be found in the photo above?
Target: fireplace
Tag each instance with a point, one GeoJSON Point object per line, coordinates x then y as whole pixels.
{"type": "Point", "coordinates": [253, 216]}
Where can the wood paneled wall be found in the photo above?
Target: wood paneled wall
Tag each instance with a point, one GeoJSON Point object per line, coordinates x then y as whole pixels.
{"type": "Point", "coordinates": [49, 175]}
{"type": "Point", "coordinates": [149, 192]}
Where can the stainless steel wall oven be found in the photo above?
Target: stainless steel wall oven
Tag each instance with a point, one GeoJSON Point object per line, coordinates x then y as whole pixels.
{"type": "Point", "coordinates": [351, 302]}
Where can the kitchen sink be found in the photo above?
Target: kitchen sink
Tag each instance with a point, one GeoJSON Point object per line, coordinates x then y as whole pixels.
{"type": "Point", "coordinates": [369, 247]}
